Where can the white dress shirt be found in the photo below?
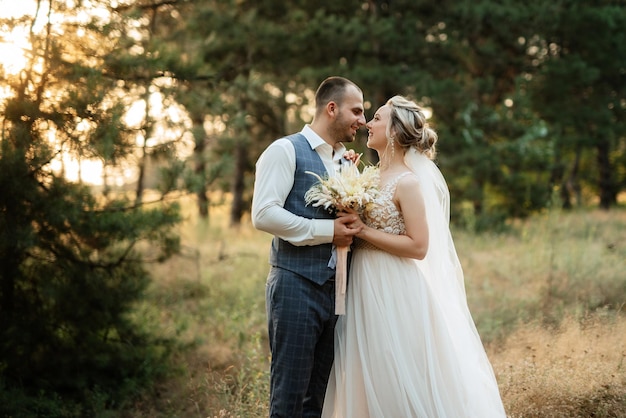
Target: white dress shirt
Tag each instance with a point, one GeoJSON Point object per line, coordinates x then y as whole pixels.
{"type": "Point", "coordinates": [274, 179]}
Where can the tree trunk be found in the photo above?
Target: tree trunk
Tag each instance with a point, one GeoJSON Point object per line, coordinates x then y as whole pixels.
{"type": "Point", "coordinates": [200, 145]}
{"type": "Point", "coordinates": [142, 172]}
{"type": "Point", "coordinates": [238, 185]}
{"type": "Point", "coordinates": [203, 202]}
{"type": "Point", "coordinates": [572, 182]}
{"type": "Point", "coordinates": [10, 270]}
{"type": "Point", "coordinates": [606, 186]}
{"type": "Point", "coordinates": [143, 159]}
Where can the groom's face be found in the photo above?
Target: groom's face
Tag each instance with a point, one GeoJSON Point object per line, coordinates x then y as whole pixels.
{"type": "Point", "coordinates": [350, 116]}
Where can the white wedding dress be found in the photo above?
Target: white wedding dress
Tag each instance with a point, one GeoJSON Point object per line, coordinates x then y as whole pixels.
{"type": "Point", "coordinates": [407, 346]}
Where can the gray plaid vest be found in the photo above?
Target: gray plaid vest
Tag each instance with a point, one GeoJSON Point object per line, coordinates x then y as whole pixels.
{"type": "Point", "coordinates": [310, 262]}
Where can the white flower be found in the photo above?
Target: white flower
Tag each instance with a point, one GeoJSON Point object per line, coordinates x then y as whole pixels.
{"type": "Point", "coordinates": [347, 189]}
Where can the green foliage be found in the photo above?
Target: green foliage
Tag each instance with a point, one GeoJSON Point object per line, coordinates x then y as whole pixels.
{"type": "Point", "coordinates": [527, 96]}
{"type": "Point", "coordinates": [580, 60]}
{"type": "Point", "coordinates": [70, 276]}
{"type": "Point", "coordinates": [73, 265]}
{"type": "Point", "coordinates": [483, 68]}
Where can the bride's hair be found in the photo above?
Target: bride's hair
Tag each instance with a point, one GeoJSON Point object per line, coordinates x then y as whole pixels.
{"type": "Point", "coordinates": [408, 122]}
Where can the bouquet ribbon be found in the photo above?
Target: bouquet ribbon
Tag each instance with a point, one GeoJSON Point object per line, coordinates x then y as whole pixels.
{"type": "Point", "coordinates": [341, 279]}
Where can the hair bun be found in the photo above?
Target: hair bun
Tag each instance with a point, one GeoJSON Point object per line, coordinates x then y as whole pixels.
{"type": "Point", "coordinates": [411, 127]}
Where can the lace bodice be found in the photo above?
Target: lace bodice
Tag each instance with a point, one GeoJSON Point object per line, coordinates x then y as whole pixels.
{"type": "Point", "coordinates": [383, 214]}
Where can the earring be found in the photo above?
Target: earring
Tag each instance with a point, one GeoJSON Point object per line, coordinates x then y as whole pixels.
{"type": "Point", "coordinates": [390, 144]}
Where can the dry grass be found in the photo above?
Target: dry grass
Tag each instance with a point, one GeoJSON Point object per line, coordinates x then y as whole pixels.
{"type": "Point", "coordinates": [544, 268]}
{"type": "Point", "coordinates": [575, 371]}
{"type": "Point", "coordinates": [547, 298]}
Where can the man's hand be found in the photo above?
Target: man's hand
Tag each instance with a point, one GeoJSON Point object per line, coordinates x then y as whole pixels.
{"type": "Point", "coordinates": [344, 231]}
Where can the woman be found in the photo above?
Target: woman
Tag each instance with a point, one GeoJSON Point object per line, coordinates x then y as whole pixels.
{"type": "Point", "coordinates": [407, 345]}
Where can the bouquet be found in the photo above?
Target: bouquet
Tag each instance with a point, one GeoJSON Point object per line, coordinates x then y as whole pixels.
{"type": "Point", "coordinates": [348, 189]}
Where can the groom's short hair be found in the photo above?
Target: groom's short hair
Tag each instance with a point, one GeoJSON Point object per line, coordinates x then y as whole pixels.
{"type": "Point", "coordinates": [332, 90]}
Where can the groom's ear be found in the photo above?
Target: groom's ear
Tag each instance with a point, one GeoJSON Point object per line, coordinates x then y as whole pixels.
{"type": "Point", "coordinates": [332, 109]}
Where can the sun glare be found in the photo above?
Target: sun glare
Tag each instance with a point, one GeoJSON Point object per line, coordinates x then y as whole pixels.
{"type": "Point", "coordinates": [14, 43]}
{"type": "Point", "coordinates": [14, 56]}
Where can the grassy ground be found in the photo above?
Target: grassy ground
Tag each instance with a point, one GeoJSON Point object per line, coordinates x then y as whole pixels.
{"type": "Point", "coordinates": [548, 299]}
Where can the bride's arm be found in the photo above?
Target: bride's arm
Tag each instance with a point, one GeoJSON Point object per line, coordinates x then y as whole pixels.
{"type": "Point", "coordinates": [408, 198]}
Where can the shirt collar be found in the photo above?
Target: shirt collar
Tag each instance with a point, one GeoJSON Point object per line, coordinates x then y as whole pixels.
{"type": "Point", "coordinates": [316, 141]}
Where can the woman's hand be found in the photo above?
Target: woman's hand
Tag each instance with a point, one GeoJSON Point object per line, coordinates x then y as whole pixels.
{"type": "Point", "coordinates": [353, 156]}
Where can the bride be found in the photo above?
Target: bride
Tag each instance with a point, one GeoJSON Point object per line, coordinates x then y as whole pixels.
{"type": "Point", "coordinates": [407, 345]}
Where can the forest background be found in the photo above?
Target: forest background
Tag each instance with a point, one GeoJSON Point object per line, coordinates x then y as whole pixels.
{"type": "Point", "coordinates": [123, 122]}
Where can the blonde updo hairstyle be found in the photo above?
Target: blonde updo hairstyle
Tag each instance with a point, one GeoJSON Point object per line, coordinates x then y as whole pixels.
{"type": "Point", "coordinates": [408, 127]}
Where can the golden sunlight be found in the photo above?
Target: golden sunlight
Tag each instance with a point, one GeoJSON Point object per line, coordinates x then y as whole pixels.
{"type": "Point", "coordinates": [14, 56]}
{"type": "Point", "coordinates": [14, 46]}
{"type": "Point", "coordinates": [14, 43]}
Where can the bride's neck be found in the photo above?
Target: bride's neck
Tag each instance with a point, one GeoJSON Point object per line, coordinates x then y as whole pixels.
{"type": "Point", "coordinates": [390, 165]}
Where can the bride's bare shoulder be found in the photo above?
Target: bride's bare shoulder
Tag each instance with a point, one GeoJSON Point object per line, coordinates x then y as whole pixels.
{"type": "Point", "coordinates": [408, 179]}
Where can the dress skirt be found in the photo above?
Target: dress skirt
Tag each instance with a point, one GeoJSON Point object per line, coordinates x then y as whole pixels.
{"type": "Point", "coordinates": [396, 354]}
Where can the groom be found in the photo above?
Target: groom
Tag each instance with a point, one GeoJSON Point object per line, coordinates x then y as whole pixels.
{"type": "Point", "coordinates": [300, 286]}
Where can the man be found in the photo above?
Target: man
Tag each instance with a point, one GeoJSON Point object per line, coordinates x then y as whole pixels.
{"type": "Point", "coordinates": [300, 286]}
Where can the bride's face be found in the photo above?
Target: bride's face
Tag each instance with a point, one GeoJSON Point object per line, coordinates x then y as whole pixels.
{"type": "Point", "coordinates": [377, 127]}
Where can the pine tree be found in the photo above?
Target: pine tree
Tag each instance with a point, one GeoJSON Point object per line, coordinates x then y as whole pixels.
{"type": "Point", "coordinates": [71, 263]}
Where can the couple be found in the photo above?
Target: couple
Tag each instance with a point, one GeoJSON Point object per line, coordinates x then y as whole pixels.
{"type": "Point", "coordinates": [407, 346]}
